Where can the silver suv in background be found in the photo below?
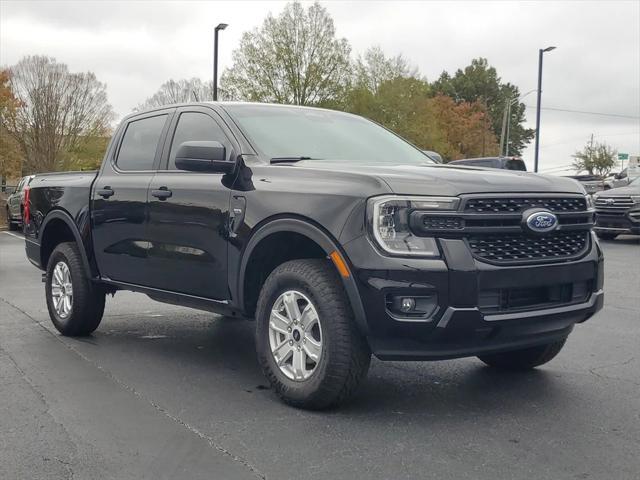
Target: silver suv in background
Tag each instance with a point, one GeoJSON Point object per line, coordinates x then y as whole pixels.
{"type": "Point", "coordinates": [616, 180]}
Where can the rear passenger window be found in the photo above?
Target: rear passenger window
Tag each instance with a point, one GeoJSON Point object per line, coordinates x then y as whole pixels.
{"type": "Point", "coordinates": [195, 126]}
{"type": "Point", "coordinates": [138, 148]}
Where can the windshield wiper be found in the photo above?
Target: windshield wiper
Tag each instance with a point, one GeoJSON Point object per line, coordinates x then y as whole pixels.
{"type": "Point", "coordinates": [290, 159]}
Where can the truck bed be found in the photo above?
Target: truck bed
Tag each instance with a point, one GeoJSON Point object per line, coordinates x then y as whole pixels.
{"type": "Point", "coordinates": [66, 192]}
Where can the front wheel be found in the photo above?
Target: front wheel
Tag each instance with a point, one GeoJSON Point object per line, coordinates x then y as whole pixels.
{"type": "Point", "coordinates": [75, 304]}
{"type": "Point", "coordinates": [307, 343]}
{"type": "Point", "coordinates": [524, 359]}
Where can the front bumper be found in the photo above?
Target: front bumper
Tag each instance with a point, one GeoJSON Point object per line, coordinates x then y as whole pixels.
{"type": "Point", "coordinates": [462, 324]}
{"type": "Point", "coordinates": [621, 223]}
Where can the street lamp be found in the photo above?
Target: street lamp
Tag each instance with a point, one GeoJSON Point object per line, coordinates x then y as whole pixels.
{"type": "Point", "coordinates": [540, 53]}
{"type": "Point", "coordinates": [221, 26]}
{"type": "Point", "coordinates": [506, 122]}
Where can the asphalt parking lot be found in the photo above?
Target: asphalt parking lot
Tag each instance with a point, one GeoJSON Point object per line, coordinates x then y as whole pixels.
{"type": "Point", "coordinates": [167, 392]}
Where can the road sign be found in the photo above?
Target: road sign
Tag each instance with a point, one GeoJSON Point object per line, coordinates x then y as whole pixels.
{"type": "Point", "coordinates": [623, 156]}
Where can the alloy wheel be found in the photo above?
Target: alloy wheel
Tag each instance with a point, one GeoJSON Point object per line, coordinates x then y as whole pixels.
{"type": "Point", "coordinates": [295, 335]}
{"type": "Point", "coordinates": [62, 290]}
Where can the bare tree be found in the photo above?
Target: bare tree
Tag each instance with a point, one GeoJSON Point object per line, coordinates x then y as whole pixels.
{"type": "Point", "coordinates": [374, 68]}
{"type": "Point", "coordinates": [180, 91]}
{"type": "Point", "coordinates": [58, 110]}
{"type": "Point", "coordinates": [292, 58]}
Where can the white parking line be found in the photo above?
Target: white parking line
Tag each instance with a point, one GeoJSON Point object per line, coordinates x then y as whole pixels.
{"type": "Point", "coordinates": [14, 235]}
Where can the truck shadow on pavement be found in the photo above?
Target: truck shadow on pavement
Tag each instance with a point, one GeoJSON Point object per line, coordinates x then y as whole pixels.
{"type": "Point", "coordinates": [215, 360]}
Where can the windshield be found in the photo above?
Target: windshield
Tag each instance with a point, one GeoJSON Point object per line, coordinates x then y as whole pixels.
{"type": "Point", "coordinates": [294, 132]}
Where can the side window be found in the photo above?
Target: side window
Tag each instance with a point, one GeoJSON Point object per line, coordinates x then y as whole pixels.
{"type": "Point", "coordinates": [195, 126]}
{"type": "Point", "coordinates": [139, 144]}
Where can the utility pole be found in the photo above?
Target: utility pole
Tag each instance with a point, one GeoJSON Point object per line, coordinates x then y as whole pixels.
{"type": "Point", "coordinates": [506, 143]}
{"type": "Point", "coordinates": [504, 126]}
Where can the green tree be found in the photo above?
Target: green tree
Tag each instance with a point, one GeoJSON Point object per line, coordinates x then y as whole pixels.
{"type": "Point", "coordinates": [407, 107]}
{"type": "Point", "coordinates": [596, 159]}
{"type": "Point", "coordinates": [479, 82]}
{"type": "Point", "coordinates": [293, 58]}
{"type": "Point", "coordinates": [87, 154]}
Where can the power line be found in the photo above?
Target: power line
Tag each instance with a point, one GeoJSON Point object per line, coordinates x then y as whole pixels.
{"type": "Point", "coordinates": [617, 115]}
{"type": "Point", "coordinates": [573, 139]}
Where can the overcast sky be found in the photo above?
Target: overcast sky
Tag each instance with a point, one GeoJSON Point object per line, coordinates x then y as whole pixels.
{"type": "Point", "coordinates": [136, 46]}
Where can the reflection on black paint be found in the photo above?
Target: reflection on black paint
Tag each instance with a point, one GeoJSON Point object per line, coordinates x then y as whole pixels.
{"type": "Point", "coordinates": [178, 252]}
{"type": "Point", "coordinates": [131, 247]}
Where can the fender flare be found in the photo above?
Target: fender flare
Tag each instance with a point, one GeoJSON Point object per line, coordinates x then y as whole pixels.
{"type": "Point", "coordinates": [66, 218]}
{"type": "Point", "coordinates": [324, 240]}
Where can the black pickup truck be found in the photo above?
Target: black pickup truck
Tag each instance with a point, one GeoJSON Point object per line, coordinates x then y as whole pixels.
{"type": "Point", "coordinates": [338, 237]}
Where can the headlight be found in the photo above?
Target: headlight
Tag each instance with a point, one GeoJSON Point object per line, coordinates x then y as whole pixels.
{"type": "Point", "coordinates": [590, 199]}
{"type": "Point", "coordinates": [389, 219]}
{"type": "Point", "coordinates": [635, 198]}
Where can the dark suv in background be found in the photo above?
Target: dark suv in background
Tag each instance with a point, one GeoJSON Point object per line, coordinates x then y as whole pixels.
{"type": "Point", "coordinates": [618, 211]}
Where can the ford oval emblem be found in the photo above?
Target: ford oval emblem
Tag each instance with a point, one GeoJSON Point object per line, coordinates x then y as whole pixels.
{"type": "Point", "coordinates": [541, 222]}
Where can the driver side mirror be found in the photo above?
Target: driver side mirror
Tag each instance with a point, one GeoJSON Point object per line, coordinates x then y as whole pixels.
{"type": "Point", "coordinates": [203, 156]}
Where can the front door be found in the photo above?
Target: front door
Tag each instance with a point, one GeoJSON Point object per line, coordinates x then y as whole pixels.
{"type": "Point", "coordinates": [119, 199]}
{"type": "Point", "coordinates": [188, 212]}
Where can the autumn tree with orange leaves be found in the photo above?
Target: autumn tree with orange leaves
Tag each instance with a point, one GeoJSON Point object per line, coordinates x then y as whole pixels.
{"type": "Point", "coordinates": [11, 155]}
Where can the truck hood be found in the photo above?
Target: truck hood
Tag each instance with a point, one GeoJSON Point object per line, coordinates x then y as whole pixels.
{"type": "Point", "coordinates": [451, 180]}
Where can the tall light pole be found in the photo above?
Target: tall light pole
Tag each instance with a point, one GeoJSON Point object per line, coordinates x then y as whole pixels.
{"type": "Point", "coordinates": [540, 53]}
{"type": "Point", "coordinates": [221, 26]}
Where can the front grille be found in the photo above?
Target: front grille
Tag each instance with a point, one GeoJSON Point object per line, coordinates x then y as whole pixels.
{"type": "Point", "coordinates": [442, 223]}
{"type": "Point", "coordinates": [613, 204]}
{"type": "Point", "coordinates": [520, 247]}
{"type": "Point", "coordinates": [517, 205]}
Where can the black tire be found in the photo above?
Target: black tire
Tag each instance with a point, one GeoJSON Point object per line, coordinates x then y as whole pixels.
{"type": "Point", "coordinates": [606, 236]}
{"type": "Point", "coordinates": [10, 224]}
{"type": "Point", "coordinates": [345, 357]}
{"type": "Point", "coordinates": [87, 300]}
{"type": "Point", "coordinates": [524, 359]}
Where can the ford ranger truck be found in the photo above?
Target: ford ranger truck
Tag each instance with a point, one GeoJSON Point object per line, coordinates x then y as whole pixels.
{"type": "Point", "coordinates": [339, 238]}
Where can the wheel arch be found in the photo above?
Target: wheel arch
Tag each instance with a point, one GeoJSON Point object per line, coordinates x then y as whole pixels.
{"type": "Point", "coordinates": [308, 229]}
{"type": "Point", "coordinates": [59, 227]}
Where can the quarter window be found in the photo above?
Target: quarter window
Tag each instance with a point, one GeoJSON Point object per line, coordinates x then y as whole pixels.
{"type": "Point", "coordinates": [140, 142]}
{"type": "Point", "coordinates": [195, 126]}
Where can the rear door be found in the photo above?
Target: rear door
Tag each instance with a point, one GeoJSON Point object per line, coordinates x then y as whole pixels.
{"type": "Point", "coordinates": [119, 198]}
{"type": "Point", "coordinates": [188, 213]}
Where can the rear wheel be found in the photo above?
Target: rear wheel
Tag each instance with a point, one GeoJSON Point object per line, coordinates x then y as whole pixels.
{"type": "Point", "coordinates": [10, 224]}
{"type": "Point", "coordinates": [524, 359]}
{"type": "Point", "coordinates": [306, 339]}
{"type": "Point", "coordinates": [606, 236]}
{"type": "Point", "coordinates": [75, 304]}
